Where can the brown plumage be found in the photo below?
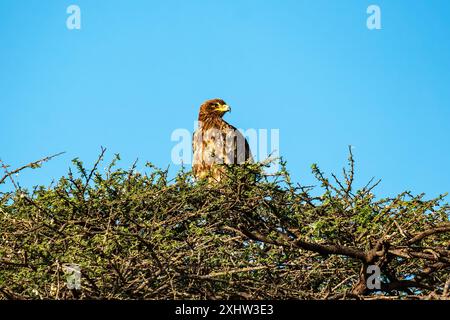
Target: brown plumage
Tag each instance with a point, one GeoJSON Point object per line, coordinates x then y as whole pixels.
{"type": "Point", "coordinates": [217, 142]}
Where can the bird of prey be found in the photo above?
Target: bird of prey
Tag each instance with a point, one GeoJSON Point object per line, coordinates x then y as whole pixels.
{"type": "Point", "coordinates": [216, 142]}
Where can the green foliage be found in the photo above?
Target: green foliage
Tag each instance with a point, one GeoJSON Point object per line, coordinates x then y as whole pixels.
{"type": "Point", "coordinates": [145, 236]}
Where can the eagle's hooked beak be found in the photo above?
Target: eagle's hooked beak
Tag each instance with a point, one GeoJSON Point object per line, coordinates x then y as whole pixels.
{"type": "Point", "coordinates": [224, 108]}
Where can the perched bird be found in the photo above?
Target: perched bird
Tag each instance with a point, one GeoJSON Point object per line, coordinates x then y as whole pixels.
{"type": "Point", "coordinates": [217, 142]}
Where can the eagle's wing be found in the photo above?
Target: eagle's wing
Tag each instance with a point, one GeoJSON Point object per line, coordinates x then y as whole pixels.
{"type": "Point", "coordinates": [237, 149]}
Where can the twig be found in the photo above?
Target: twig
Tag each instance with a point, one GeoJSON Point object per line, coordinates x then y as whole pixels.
{"type": "Point", "coordinates": [30, 165]}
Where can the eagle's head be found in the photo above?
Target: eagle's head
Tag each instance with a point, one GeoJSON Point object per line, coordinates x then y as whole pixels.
{"type": "Point", "coordinates": [214, 108]}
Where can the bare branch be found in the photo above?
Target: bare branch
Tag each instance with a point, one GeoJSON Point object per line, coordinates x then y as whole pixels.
{"type": "Point", "coordinates": [30, 165]}
{"type": "Point", "coordinates": [440, 229]}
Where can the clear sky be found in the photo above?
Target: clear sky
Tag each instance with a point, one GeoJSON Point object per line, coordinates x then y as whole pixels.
{"type": "Point", "coordinates": [137, 70]}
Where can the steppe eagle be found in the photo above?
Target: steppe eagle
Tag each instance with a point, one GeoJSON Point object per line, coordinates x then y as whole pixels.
{"type": "Point", "coordinates": [216, 142]}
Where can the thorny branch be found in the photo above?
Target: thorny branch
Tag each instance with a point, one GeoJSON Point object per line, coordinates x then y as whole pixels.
{"type": "Point", "coordinates": [145, 236]}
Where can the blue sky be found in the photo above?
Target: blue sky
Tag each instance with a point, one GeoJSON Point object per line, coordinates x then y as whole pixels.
{"type": "Point", "coordinates": [137, 70]}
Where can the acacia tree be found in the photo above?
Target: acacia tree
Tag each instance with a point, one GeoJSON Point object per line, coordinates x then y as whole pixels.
{"type": "Point", "coordinates": [143, 236]}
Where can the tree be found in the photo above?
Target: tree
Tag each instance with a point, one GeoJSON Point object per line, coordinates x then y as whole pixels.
{"type": "Point", "coordinates": [143, 236]}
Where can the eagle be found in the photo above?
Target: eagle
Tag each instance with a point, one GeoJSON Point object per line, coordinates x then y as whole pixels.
{"type": "Point", "coordinates": [216, 142]}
